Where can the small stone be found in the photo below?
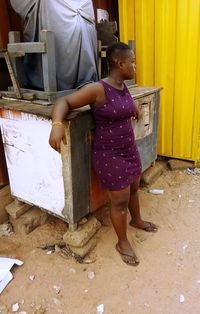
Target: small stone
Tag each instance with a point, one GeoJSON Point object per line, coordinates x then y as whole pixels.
{"type": "Point", "coordinates": [181, 298]}
{"type": "Point", "coordinates": [6, 229]}
{"type": "Point", "coordinates": [22, 312]}
{"type": "Point", "coordinates": [49, 252]}
{"type": "Point", "coordinates": [38, 307]}
{"type": "Point", "coordinates": [15, 307]}
{"type": "Point", "coordinates": [72, 270]}
{"type": "Point", "coordinates": [56, 301]}
{"type": "Point", "coordinates": [169, 253]}
{"type": "Point", "coordinates": [88, 261]}
{"type": "Point", "coordinates": [179, 265]}
{"type": "Point", "coordinates": [100, 309]}
{"type": "Point", "coordinates": [185, 247]}
{"type": "Point", "coordinates": [125, 286]}
{"type": "Point", "coordinates": [39, 310]}
{"type": "Point", "coordinates": [91, 275]}
{"type": "Point", "coordinates": [86, 290]}
{"type": "Point", "coordinates": [32, 277]}
{"type": "Point", "coordinates": [146, 305]}
{"type": "Point", "coordinates": [57, 288]}
{"type": "Point", "coordinates": [22, 301]}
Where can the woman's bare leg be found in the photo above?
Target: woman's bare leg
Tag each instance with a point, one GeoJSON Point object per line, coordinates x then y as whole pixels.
{"type": "Point", "coordinates": [134, 208]}
{"type": "Point", "coordinates": [118, 213]}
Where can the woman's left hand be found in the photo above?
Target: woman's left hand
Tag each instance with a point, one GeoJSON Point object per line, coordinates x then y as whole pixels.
{"type": "Point", "coordinates": [137, 114]}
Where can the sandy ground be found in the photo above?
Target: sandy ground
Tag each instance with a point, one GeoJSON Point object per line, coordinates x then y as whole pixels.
{"type": "Point", "coordinates": [169, 262]}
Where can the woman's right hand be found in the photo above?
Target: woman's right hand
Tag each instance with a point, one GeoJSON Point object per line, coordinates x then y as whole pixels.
{"type": "Point", "coordinates": [56, 136]}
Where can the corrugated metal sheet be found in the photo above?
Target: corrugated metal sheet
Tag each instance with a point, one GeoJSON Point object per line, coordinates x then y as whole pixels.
{"type": "Point", "coordinates": [126, 19]}
{"type": "Point", "coordinates": [167, 35]}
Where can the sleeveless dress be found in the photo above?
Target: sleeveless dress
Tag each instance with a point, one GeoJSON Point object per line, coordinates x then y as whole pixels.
{"type": "Point", "coordinates": [115, 156]}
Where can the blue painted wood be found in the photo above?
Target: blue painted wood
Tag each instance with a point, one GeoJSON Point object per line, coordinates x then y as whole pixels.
{"type": "Point", "coordinates": [147, 146]}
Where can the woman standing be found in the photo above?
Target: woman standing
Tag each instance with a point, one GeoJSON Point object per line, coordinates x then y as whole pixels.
{"type": "Point", "coordinates": [115, 156]}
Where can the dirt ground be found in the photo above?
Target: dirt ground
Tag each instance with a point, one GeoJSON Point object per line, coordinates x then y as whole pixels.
{"type": "Point", "coordinates": [168, 273]}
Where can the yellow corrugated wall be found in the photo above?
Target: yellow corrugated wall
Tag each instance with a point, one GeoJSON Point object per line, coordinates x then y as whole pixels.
{"type": "Point", "coordinates": [167, 35]}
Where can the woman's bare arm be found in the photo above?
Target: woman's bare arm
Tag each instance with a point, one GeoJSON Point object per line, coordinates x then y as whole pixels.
{"type": "Point", "coordinates": [89, 94]}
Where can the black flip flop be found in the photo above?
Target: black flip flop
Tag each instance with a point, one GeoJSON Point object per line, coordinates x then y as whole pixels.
{"type": "Point", "coordinates": [132, 258]}
{"type": "Point", "coordinates": [151, 225]}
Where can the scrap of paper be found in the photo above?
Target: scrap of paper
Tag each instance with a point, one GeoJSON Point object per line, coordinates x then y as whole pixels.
{"type": "Point", "coordinates": [5, 266]}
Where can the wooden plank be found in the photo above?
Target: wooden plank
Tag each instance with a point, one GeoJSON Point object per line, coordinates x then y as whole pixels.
{"type": "Point", "coordinates": [80, 159]}
{"type": "Point", "coordinates": [3, 168]}
{"type": "Point", "coordinates": [49, 61]}
{"type": "Point", "coordinates": [5, 197]}
{"type": "Point", "coordinates": [131, 44]}
{"type": "Point", "coordinates": [14, 37]}
{"type": "Point", "coordinates": [136, 92]}
{"type": "Point", "coordinates": [7, 94]}
{"type": "Point", "coordinates": [38, 47]}
{"type": "Point", "coordinates": [12, 75]}
{"type": "Point", "coordinates": [99, 58]}
{"type": "Point", "coordinates": [30, 107]}
{"type": "Point", "coordinates": [43, 95]}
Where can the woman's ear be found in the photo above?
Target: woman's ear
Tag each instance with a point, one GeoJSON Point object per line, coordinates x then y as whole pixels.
{"type": "Point", "coordinates": [120, 64]}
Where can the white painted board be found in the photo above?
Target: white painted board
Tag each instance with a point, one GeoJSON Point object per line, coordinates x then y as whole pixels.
{"type": "Point", "coordinates": [35, 169]}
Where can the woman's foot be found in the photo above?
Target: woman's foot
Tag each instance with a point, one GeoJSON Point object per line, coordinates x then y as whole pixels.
{"type": "Point", "coordinates": [127, 254]}
{"type": "Point", "coordinates": [144, 225]}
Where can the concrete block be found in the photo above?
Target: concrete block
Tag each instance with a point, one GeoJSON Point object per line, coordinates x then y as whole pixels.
{"type": "Point", "coordinates": [87, 248]}
{"type": "Point", "coordinates": [177, 164]}
{"type": "Point", "coordinates": [5, 199]}
{"type": "Point", "coordinates": [150, 175]}
{"type": "Point", "coordinates": [83, 234]}
{"type": "Point", "coordinates": [17, 208]}
{"type": "Point", "coordinates": [29, 221]}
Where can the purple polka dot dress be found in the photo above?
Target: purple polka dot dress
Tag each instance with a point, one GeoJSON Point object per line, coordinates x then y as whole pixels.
{"type": "Point", "coordinates": [115, 156]}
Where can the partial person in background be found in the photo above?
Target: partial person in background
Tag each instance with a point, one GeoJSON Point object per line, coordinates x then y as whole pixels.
{"type": "Point", "coordinates": [73, 25]}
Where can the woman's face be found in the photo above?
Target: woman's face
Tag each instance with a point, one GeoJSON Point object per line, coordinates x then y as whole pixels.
{"type": "Point", "coordinates": [127, 66]}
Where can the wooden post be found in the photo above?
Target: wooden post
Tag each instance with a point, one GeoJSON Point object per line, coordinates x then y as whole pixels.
{"type": "Point", "coordinates": [17, 63]}
{"type": "Point", "coordinates": [49, 61]}
{"type": "Point", "coordinates": [131, 44]}
{"type": "Point", "coordinates": [99, 58]}
{"type": "Point", "coordinates": [4, 54]}
{"type": "Point", "coordinates": [73, 227]}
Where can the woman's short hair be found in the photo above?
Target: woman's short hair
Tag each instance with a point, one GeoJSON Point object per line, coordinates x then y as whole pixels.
{"type": "Point", "coordinates": [113, 51]}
